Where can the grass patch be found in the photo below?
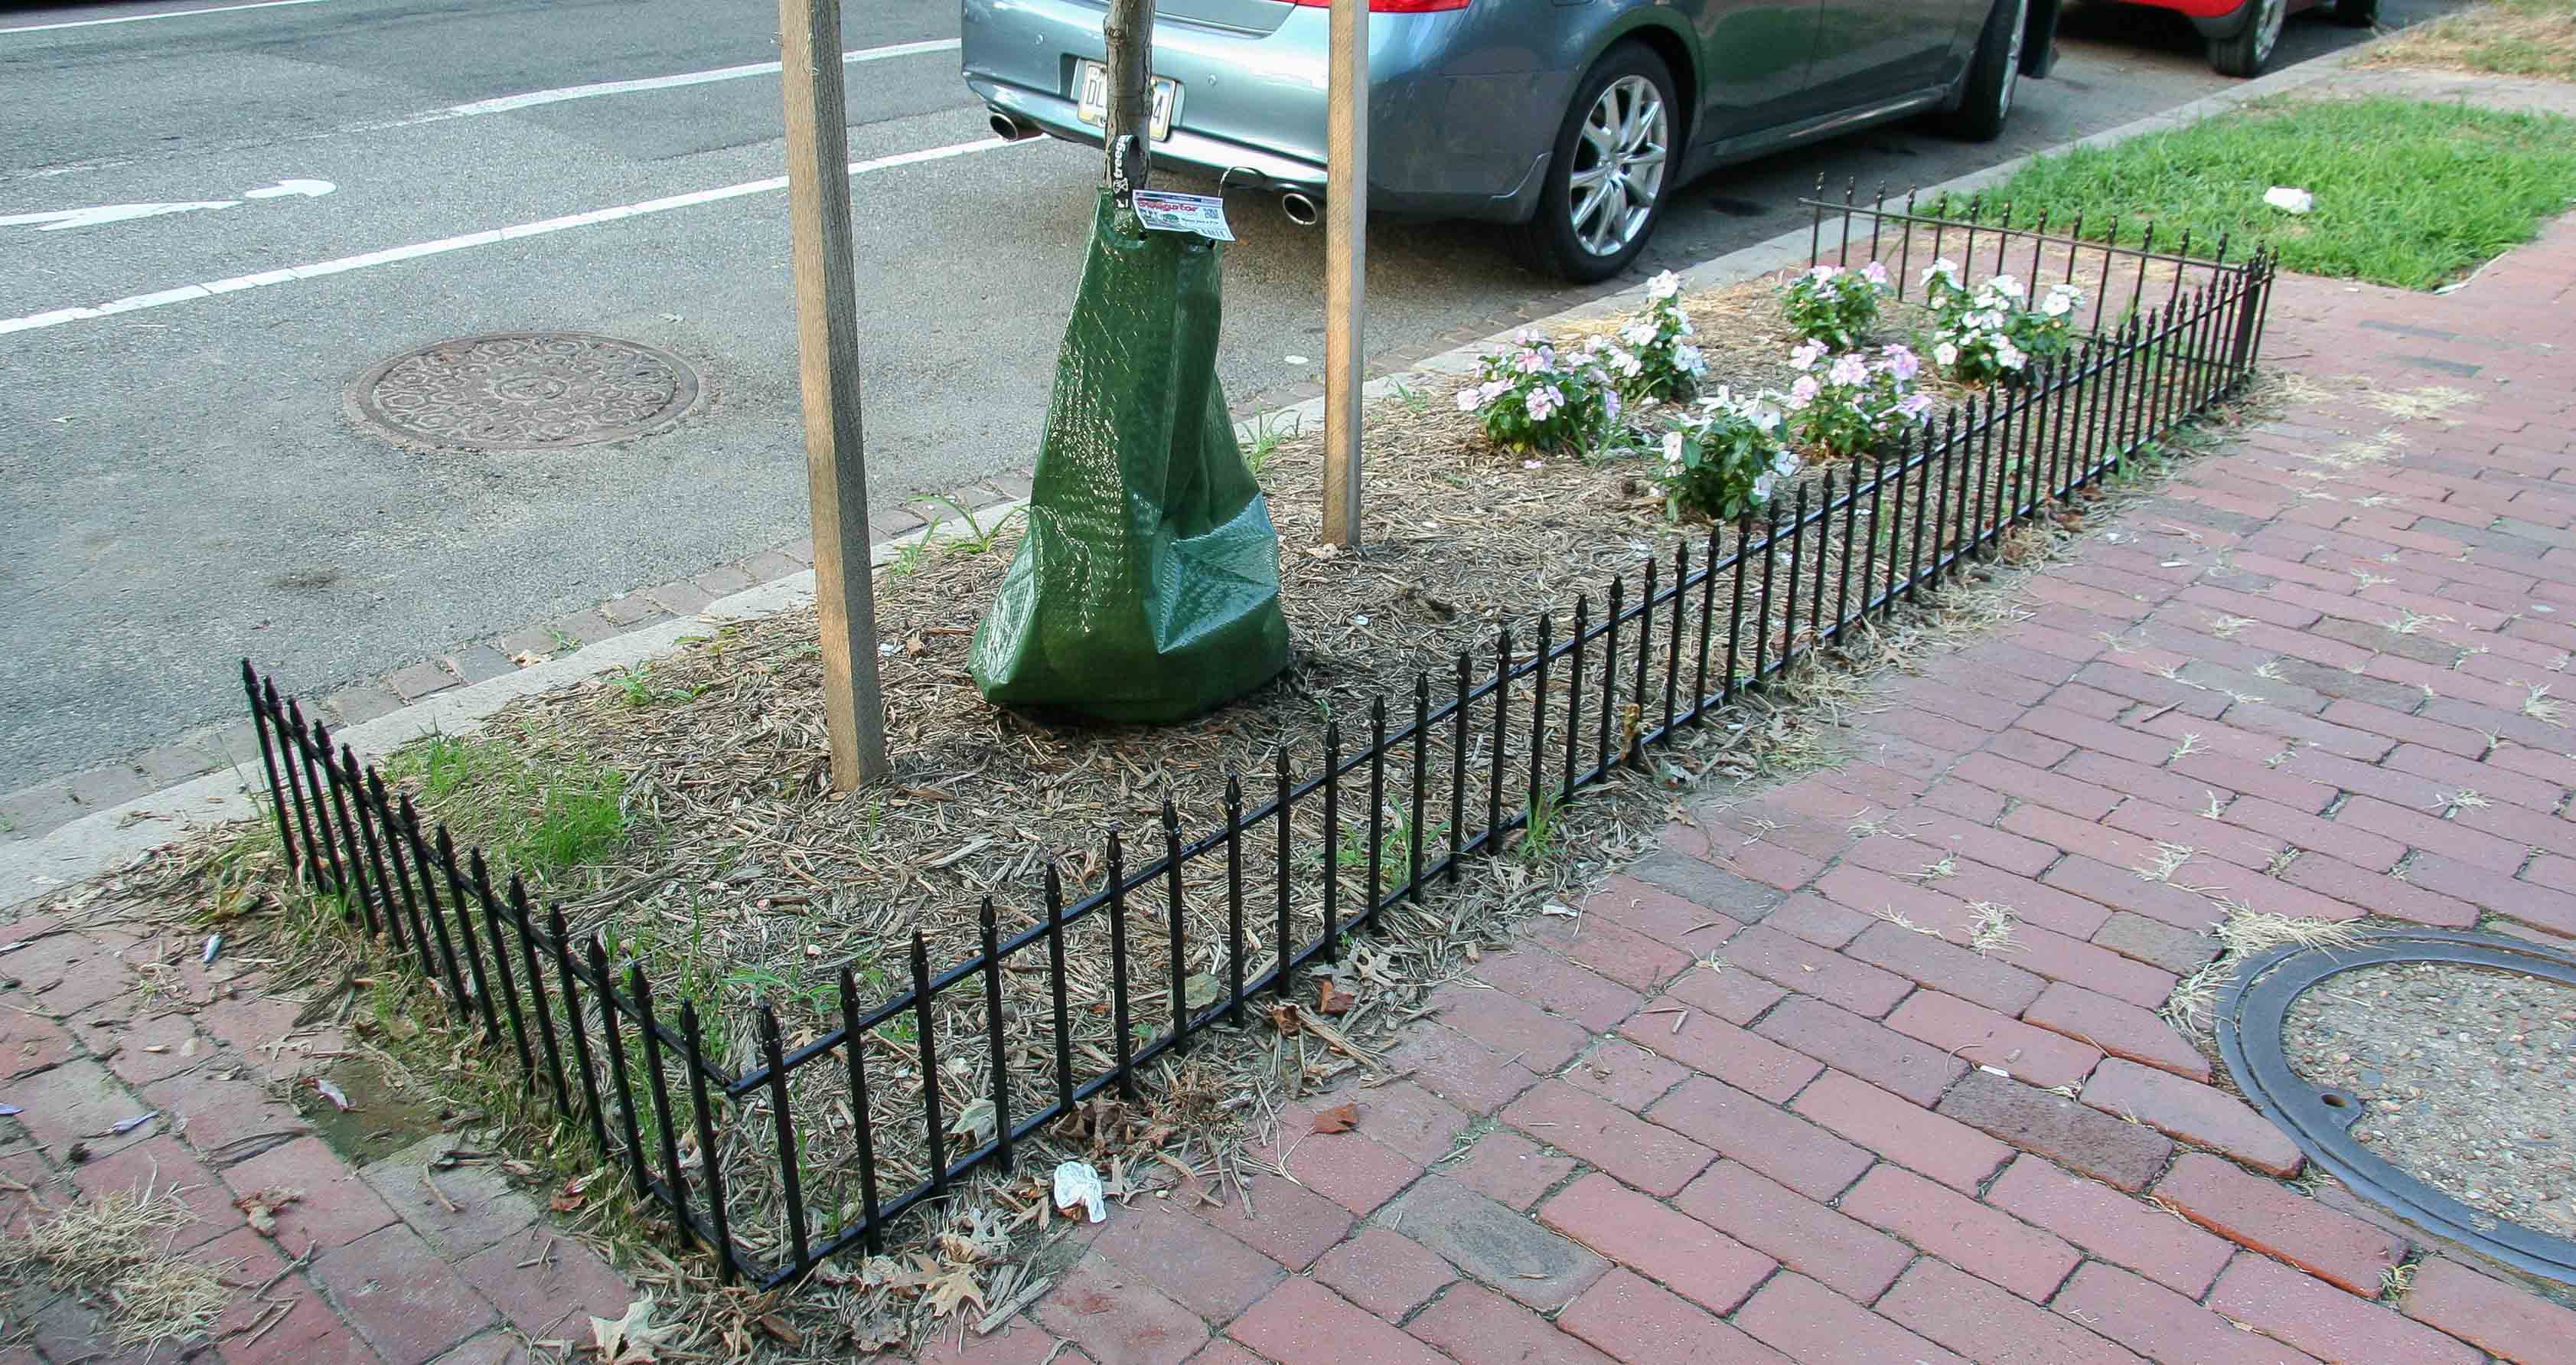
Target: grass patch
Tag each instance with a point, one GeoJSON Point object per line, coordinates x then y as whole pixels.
{"type": "Point", "coordinates": [2503, 37]}
{"type": "Point", "coordinates": [2408, 193]}
{"type": "Point", "coordinates": [543, 819]}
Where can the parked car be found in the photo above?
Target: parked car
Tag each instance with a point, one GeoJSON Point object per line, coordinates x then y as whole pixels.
{"type": "Point", "coordinates": [2242, 34]}
{"type": "Point", "coordinates": [1571, 121]}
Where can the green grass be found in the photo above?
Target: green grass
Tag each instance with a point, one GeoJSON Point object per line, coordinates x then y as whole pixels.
{"type": "Point", "coordinates": [2408, 193]}
{"type": "Point", "coordinates": [541, 820]}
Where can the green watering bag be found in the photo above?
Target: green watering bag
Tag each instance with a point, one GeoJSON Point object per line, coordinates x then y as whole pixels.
{"type": "Point", "coordinates": [1147, 584]}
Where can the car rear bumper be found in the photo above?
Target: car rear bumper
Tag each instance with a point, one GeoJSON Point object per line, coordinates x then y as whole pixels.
{"type": "Point", "coordinates": [2217, 18]}
{"type": "Point", "coordinates": [1449, 135]}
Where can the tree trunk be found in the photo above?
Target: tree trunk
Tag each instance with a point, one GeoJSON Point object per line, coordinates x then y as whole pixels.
{"type": "Point", "coordinates": [1129, 31]}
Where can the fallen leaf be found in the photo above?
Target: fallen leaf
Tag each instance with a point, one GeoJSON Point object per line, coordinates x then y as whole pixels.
{"type": "Point", "coordinates": [913, 646]}
{"type": "Point", "coordinates": [529, 659]}
{"type": "Point", "coordinates": [974, 1122]}
{"type": "Point", "coordinates": [1337, 1119]}
{"type": "Point", "coordinates": [777, 1327]}
{"type": "Point", "coordinates": [630, 1339]}
{"type": "Point", "coordinates": [949, 1291]}
{"type": "Point", "coordinates": [1201, 991]}
{"type": "Point", "coordinates": [1284, 1017]}
{"type": "Point", "coordinates": [569, 1198]}
{"type": "Point", "coordinates": [1332, 999]}
{"type": "Point", "coordinates": [260, 1208]}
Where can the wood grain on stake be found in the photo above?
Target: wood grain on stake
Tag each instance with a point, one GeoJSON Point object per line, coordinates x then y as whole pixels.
{"type": "Point", "coordinates": [827, 345]}
{"type": "Point", "coordinates": [1345, 262]}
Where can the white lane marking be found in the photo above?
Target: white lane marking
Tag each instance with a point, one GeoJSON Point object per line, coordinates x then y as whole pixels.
{"type": "Point", "coordinates": [234, 284]}
{"type": "Point", "coordinates": [139, 18]}
{"type": "Point", "coordinates": [505, 104]}
{"type": "Point", "coordinates": [310, 189]}
{"type": "Point", "coordinates": [56, 220]}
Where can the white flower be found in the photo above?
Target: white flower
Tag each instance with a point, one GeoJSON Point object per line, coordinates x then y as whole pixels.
{"type": "Point", "coordinates": [1467, 399]}
{"type": "Point", "coordinates": [1637, 334]}
{"type": "Point", "coordinates": [2008, 355]}
{"type": "Point", "coordinates": [1673, 447]}
{"type": "Point", "coordinates": [1822, 273]}
{"type": "Point", "coordinates": [1625, 362]}
{"type": "Point", "coordinates": [1664, 286]}
{"type": "Point", "coordinates": [1848, 370]}
{"type": "Point", "coordinates": [1803, 392]}
{"type": "Point", "coordinates": [1492, 389]}
{"type": "Point", "coordinates": [1685, 329]}
{"type": "Point", "coordinates": [1805, 357]}
{"type": "Point", "coordinates": [1764, 416]}
{"type": "Point", "coordinates": [2007, 286]}
{"type": "Point", "coordinates": [2057, 305]}
{"type": "Point", "coordinates": [1610, 405]}
{"type": "Point", "coordinates": [1944, 270]}
{"type": "Point", "coordinates": [1533, 464]}
{"type": "Point", "coordinates": [1784, 464]}
{"type": "Point", "coordinates": [1946, 354]}
{"type": "Point", "coordinates": [1763, 484]}
{"type": "Point", "coordinates": [1688, 360]}
{"type": "Point", "coordinates": [1527, 336]}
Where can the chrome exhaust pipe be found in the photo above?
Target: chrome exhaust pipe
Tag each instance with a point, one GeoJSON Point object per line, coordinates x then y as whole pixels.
{"type": "Point", "coordinates": [1301, 208]}
{"type": "Point", "coordinates": [1010, 127]}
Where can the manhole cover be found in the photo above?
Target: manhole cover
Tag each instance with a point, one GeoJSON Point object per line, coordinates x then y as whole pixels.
{"type": "Point", "coordinates": [2328, 1121]}
{"type": "Point", "coordinates": [524, 391]}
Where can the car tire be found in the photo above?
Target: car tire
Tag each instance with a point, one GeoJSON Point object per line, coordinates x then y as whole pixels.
{"type": "Point", "coordinates": [1564, 239]}
{"type": "Point", "coordinates": [2249, 49]}
{"type": "Point", "coordinates": [2357, 13]}
{"type": "Point", "coordinates": [1986, 92]}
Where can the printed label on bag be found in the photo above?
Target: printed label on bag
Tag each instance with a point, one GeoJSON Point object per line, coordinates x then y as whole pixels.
{"type": "Point", "coordinates": [1163, 211]}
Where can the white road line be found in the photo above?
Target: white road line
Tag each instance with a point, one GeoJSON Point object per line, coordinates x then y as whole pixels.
{"type": "Point", "coordinates": [140, 18]}
{"type": "Point", "coordinates": [503, 104]}
{"type": "Point", "coordinates": [341, 265]}
{"type": "Point", "coordinates": [510, 103]}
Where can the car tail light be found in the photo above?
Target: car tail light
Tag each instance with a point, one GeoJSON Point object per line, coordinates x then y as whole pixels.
{"type": "Point", "coordinates": [1393, 6]}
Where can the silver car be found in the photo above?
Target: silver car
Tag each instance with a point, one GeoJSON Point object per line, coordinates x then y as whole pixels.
{"type": "Point", "coordinates": [1570, 120]}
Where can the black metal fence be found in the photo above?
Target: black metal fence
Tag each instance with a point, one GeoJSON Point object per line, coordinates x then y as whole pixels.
{"type": "Point", "coordinates": [1547, 714]}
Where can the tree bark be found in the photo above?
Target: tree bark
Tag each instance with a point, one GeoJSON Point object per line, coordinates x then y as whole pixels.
{"type": "Point", "coordinates": [1129, 32]}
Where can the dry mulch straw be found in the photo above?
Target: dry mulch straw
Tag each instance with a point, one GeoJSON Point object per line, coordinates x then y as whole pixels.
{"type": "Point", "coordinates": [744, 879]}
{"type": "Point", "coordinates": [114, 1249]}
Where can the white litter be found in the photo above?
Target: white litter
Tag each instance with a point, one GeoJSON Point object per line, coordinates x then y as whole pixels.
{"type": "Point", "coordinates": [2288, 200]}
{"type": "Point", "coordinates": [1077, 1186]}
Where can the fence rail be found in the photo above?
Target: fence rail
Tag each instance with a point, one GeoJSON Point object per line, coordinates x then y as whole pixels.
{"type": "Point", "coordinates": [1756, 599]}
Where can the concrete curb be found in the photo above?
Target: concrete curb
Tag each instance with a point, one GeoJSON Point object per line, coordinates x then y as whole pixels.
{"type": "Point", "coordinates": [118, 834]}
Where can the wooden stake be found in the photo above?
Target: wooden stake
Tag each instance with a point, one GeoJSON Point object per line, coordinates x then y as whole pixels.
{"type": "Point", "coordinates": [1345, 267]}
{"type": "Point", "coordinates": [1127, 32]}
{"type": "Point", "coordinates": [827, 345]}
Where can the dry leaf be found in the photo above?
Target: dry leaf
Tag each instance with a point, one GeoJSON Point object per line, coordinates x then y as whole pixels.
{"type": "Point", "coordinates": [1284, 1017]}
{"type": "Point", "coordinates": [777, 1327]}
{"type": "Point", "coordinates": [629, 1340]}
{"type": "Point", "coordinates": [1332, 999]}
{"type": "Point", "coordinates": [260, 1209]}
{"type": "Point", "coordinates": [530, 659]}
{"type": "Point", "coordinates": [570, 1197]}
{"type": "Point", "coordinates": [1337, 1119]}
{"type": "Point", "coordinates": [951, 1290]}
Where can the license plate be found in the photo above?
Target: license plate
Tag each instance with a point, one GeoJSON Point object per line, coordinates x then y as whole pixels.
{"type": "Point", "coordinates": [1091, 100]}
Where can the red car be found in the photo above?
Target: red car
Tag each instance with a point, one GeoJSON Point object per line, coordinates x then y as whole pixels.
{"type": "Point", "coordinates": [2242, 33]}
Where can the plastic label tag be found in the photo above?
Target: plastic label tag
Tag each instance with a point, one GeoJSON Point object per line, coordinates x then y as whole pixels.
{"type": "Point", "coordinates": [1163, 211]}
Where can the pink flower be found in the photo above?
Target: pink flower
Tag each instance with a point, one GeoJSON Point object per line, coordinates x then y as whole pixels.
{"type": "Point", "coordinates": [1874, 273]}
{"type": "Point", "coordinates": [1806, 356]}
{"type": "Point", "coordinates": [1848, 371]}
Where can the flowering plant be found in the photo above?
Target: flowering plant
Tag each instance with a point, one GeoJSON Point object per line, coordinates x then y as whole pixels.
{"type": "Point", "coordinates": [1531, 398]}
{"type": "Point", "coordinates": [1850, 402]}
{"type": "Point", "coordinates": [1727, 459]}
{"type": "Point", "coordinates": [1653, 360]}
{"type": "Point", "coordinates": [1992, 332]}
{"type": "Point", "coordinates": [1835, 305]}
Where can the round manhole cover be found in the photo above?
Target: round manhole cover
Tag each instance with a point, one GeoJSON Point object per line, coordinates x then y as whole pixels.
{"type": "Point", "coordinates": [524, 391]}
{"type": "Point", "coordinates": [2429, 1071]}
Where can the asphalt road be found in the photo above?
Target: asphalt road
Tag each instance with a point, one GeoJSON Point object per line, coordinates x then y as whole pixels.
{"type": "Point", "coordinates": [183, 485]}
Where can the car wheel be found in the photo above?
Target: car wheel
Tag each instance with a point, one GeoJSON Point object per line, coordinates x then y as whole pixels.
{"type": "Point", "coordinates": [1986, 96]}
{"type": "Point", "coordinates": [2248, 50]}
{"type": "Point", "coordinates": [2356, 13]}
{"type": "Point", "coordinates": [1612, 170]}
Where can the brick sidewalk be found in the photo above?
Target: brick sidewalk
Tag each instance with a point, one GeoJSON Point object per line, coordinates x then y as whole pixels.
{"type": "Point", "coordinates": [396, 1262]}
{"type": "Point", "coordinates": [1603, 1148]}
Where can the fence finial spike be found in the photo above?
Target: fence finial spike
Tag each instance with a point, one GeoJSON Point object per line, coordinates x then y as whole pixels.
{"type": "Point", "coordinates": [1171, 817]}
{"type": "Point", "coordinates": [987, 915]}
